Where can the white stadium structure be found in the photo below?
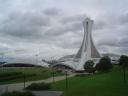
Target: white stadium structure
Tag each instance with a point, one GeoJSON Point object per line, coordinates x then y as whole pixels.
{"type": "Point", "coordinates": [86, 52]}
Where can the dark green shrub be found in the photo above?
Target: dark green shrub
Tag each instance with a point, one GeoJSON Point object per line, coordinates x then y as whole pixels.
{"type": "Point", "coordinates": [88, 66]}
{"type": "Point", "coordinates": [123, 61]}
{"type": "Point", "coordinates": [104, 64]}
{"type": "Point", "coordinates": [39, 86]}
{"type": "Point", "coordinates": [16, 93]}
{"type": "Point", "coordinates": [2, 75]}
{"type": "Point", "coordinates": [14, 75]}
{"type": "Point", "coordinates": [10, 75]}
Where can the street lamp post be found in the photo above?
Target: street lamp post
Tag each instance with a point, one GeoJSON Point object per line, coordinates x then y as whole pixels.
{"type": "Point", "coordinates": [2, 63]}
{"type": "Point", "coordinates": [24, 81]}
{"type": "Point", "coordinates": [66, 78]}
{"type": "Point", "coordinates": [36, 59]}
{"type": "Point", "coordinates": [53, 74]}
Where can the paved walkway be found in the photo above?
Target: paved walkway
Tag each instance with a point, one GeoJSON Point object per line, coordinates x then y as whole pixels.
{"type": "Point", "coordinates": [20, 86]}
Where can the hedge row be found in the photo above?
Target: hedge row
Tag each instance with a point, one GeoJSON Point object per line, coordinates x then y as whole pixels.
{"type": "Point", "coordinates": [14, 75]}
{"type": "Point", "coordinates": [39, 86]}
{"type": "Point", "coordinates": [2, 75]}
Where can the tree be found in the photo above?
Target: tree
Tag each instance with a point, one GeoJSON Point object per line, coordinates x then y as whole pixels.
{"type": "Point", "coordinates": [123, 61]}
{"type": "Point", "coordinates": [104, 64]}
{"type": "Point", "coordinates": [88, 66]}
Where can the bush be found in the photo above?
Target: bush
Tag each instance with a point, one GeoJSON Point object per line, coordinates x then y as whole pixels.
{"type": "Point", "coordinates": [39, 86]}
{"type": "Point", "coordinates": [10, 75]}
{"type": "Point", "coordinates": [104, 64]}
{"type": "Point", "coordinates": [2, 75]}
{"type": "Point", "coordinates": [13, 75]}
{"type": "Point", "coordinates": [88, 66]}
{"type": "Point", "coordinates": [16, 93]}
{"type": "Point", "coordinates": [123, 61]}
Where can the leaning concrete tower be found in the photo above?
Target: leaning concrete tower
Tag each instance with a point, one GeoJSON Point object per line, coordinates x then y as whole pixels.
{"type": "Point", "coordinates": [87, 50]}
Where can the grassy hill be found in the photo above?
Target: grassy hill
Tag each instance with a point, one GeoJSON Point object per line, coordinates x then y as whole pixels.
{"type": "Point", "coordinates": [100, 84]}
{"type": "Point", "coordinates": [15, 75]}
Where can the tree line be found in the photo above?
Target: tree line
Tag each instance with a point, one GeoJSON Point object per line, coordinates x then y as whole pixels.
{"type": "Point", "coordinates": [105, 65]}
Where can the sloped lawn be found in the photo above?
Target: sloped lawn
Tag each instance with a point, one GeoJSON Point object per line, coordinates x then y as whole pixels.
{"type": "Point", "coordinates": [99, 84]}
{"type": "Point", "coordinates": [16, 75]}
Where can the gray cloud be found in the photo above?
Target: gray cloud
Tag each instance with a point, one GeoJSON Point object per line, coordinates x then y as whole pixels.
{"type": "Point", "coordinates": [74, 18]}
{"type": "Point", "coordinates": [113, 35]}
{"type": "Point", "coordinates": [36, 27]}
{"type": "Point", "coordinates": [28, 25]}
{"type": "Point", "coordinates": [43, 27]}
{"type": "Point", "coordinates": [123, 18]}
{"type": "Point", "coordinates": [99, 24]}
{"type": "Point", "coordinates": [52, 11]}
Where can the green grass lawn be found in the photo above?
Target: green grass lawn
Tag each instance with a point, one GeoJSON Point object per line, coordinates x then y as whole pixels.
{"type": "Point", "coordinates": [31, 73]}
{"type": "Point", "coordinates": [100, 84]}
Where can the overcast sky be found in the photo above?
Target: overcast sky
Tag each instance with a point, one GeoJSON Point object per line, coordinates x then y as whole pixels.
{"type": "Point", "coordinates": [54, 27]}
